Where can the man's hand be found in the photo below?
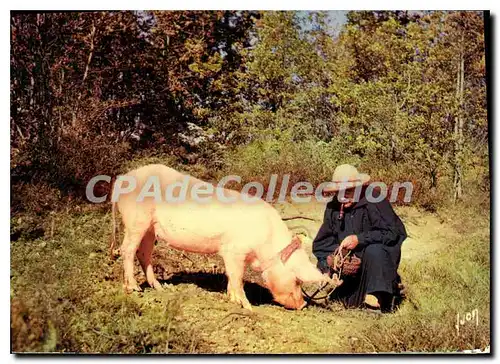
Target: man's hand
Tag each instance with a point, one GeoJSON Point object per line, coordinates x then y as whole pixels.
{"type": "Point", "coordinates": [350, 242]}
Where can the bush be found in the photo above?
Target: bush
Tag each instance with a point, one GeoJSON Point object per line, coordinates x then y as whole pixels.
{"type": "Point", "coordinates": [37, 198]}
{"type": "Point", "coordinates": [142, 159]}
{"type": "Point", "coordinates": [278, 152]}
{"type": "Point", "coordinates": [424, 194]}
{"type": "Point", "coordinates": [60, 161]}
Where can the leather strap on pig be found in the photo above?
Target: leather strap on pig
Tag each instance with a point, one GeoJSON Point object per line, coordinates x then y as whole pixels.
{"type": "Point", "coordinates": [284, 254]}
{"type": "Point", "coordinates": [290, 248]}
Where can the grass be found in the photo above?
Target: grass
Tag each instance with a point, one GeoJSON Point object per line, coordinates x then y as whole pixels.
{"type": "Point", "coordinates": [66, 296]}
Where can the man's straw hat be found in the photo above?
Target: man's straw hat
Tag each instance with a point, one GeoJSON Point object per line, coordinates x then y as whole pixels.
{"type": "Point", "coordinates": [345, 177]}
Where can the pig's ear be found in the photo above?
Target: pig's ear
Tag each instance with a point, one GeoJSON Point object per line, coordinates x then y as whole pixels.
{"type": "Point", "coordinates": [308, 273]}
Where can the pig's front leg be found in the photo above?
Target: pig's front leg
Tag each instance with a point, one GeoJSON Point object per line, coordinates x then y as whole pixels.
{"type": "Point", "coordinates": [235, 267]}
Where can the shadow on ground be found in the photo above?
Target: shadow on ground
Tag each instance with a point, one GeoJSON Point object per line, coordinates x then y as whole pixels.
{"type": "Point", "coordinates": [256, 294]}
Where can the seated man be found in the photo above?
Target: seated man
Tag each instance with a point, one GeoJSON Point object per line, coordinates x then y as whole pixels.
{"type": "Point", "coordinates": [373, 232]}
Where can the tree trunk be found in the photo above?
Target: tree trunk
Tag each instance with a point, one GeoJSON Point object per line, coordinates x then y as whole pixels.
{"type": "Point", "coordinates": [459, 129]}
{"type": "Point", "coordinates": [86, 72]}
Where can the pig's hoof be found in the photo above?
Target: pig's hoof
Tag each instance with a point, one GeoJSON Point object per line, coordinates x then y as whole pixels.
{"type": "Point", "coordinates": [131, 288]}
{"type": "Point", "coordinates": [241, 301]}
{"type": "Point", "coordinates": [157, 285]}
{"type": "Point", "coordinates": [244, 303]}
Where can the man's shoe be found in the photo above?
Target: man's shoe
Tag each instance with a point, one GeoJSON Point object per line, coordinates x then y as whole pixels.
{"type": "Point", "coordinates": [372, 302]}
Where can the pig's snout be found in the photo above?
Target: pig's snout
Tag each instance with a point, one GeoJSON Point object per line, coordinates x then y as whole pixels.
{"type": "Point", "coordinates": [293, 301]}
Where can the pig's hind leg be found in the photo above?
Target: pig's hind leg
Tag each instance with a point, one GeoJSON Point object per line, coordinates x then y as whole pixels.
{"type": "Point", "coordinates": [129, 247]}
{"type": "Point", "coordinates": [144, 254]}
{"type": "Point", "coordinates": [235, 268]}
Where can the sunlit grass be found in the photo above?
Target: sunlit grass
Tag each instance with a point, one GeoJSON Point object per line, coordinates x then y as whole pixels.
{"type": "Point", "coordinates": [66, 296]}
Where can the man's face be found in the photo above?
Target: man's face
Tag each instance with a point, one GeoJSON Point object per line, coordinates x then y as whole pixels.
{"type": "Point", "coordinates": [346, 197]}
{"type": "Point", "coordinates": [328, 194]}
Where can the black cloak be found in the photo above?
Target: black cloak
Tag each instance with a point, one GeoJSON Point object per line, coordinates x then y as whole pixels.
{"type": "Point", "coordinates": [380, 234]}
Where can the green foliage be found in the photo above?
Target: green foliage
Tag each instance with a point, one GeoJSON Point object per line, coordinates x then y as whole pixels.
{"type": "Point", "coordinates": [90, 89]}
{"type": "Point", "coordinates": [284, 152]}
{"type": "Point", "coordinates": [383, 92]}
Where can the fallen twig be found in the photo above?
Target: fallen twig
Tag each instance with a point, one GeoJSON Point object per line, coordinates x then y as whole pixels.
{"type": "Point", "coordinates": [297, 217]}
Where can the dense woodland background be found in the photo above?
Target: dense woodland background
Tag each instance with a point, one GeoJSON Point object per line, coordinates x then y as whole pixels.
{"type": "Point", "coordinates": [402, 95]}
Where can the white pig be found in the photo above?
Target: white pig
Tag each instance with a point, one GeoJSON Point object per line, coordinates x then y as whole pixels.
{"type": "Point", "coordinates": [241, 232]}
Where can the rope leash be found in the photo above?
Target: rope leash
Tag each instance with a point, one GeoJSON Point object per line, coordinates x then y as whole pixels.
{"type": "Point", "coordinates": [312, 297]}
